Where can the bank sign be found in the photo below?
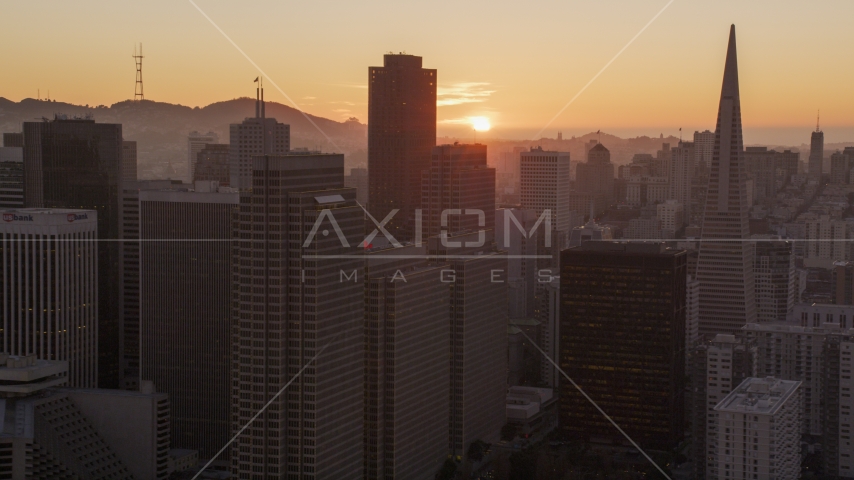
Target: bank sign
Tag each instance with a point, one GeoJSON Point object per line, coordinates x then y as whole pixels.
{"type": "Point", "coordinates": [73, 216]}
{"type": "Point", "coordinates": [13, 217]}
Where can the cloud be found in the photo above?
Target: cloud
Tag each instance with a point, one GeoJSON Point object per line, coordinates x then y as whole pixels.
{"type": "Point", "coordinates": [348, 85]}
{"type": "Point", "coordinates": [464, 92]}
{"type": "Point", "coordinates": [309, 98]}
{"type": "Point", "coordinates": [341, 110]}
{"type": "Point", "coordinates": [343, 102]}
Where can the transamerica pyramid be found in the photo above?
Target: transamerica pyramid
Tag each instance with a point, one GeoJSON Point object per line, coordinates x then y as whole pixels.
{"type": "Point", "coordinates": [725, 264]}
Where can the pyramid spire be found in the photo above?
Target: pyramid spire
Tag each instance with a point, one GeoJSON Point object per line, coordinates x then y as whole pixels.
{"type": "Point", "coordinates": [730, 86]}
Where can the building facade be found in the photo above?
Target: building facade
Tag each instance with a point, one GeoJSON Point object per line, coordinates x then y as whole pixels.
{"type": "Point", "coordinates": [49, 288]}
{"type": "Point", "coordinates": [256, 135]}
{"type": "Point", "coordinates": [185, 310]}
{"type": "Point", "coordinates": [401, 136]}
{"type": "Point", "coordinates": [196, 142]}
{"type": "Point", "coordinates": [11, 177]}
{"type": "Point", "coordinates": [545, 182]}
{"type": "Point", "coordinates": [609, 326]}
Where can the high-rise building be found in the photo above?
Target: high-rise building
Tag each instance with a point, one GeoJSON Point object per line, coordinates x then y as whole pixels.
{"type": "Point", "coordinates": [129, 167]}
{"type": "Point", "coordinates": [11, 177]}
{"type": "Point", "coordinates": [836, 449]}
{"type": "Point", "coordinates": [623, 305]}
{"type": "Point", "coordinates": [825, 242]}
{"type": "Point", "coordinates": [45, 433]}
{"type": "Point", "coordinates": [816, 158]}
{"type": "Point", "coordinates": [185, 310]}
{"type": "Point", "coordinates": [13, 140]}
{"type": "Point", "coordinates": [548, 314]}
{"type": "Point", "coordinates": [545, 184]}
{"type": "Point", "coordinates": [770, 170]}
{"type": "Point", "coordinates": [458, 192]}
{"type": "Point", "coordinates": [212, 164]}
{"type": "Point", "coordinates": [196, 142]}
{"type": "Point", "coordinates": [49, 287]}
{"type": "Point", "coordinates": [596, 176]}
{"type": "Point", "coordinates": [725, 263]}
{"type": "Point", "coordinates": [257, 135]}
{"type": "Point", "coordinates": [757, 431]}
{"type": "Point", "coordinates": [672, 218]}
{"type": "Point", "coordinates": [516, 235]}
{"type": "Point", "coordinates": [78, 164]}
{"type": "Point", "coordinates": [716, 368]}
{"type": "Point", "coordinates": [298, 239]}
{"type": "Point", "coordinates": [358, 179]}
{"type": "Point", "coordinates": [704, 149]}
{"type": "Point", "coordinates": [681, 176]}
{"type": "Point", "coordinates": [401, 136]}
{"type": "Point", "coordinates": [843, 283]}
{"type": "Point", "coordinates": [407, 369]}
{"type": "Point", "coordinates": [774, 273]}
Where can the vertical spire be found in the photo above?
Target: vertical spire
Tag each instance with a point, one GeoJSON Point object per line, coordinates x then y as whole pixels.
{"type": "Point", "coordinates": [730, 85]}
{"type": "Point", "coordinates": [817, 118]}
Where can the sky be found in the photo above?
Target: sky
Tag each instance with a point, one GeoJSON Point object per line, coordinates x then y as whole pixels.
{"type": "Point", "coordinates": [516, 63]}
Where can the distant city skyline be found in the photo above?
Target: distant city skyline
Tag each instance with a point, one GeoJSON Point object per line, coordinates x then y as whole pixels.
{"type": "Point", "coordinates": [490, 64]}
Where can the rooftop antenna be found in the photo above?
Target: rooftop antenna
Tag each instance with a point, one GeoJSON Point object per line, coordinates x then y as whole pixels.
{"type": "Point", "coordinates": [137, 93]}
{"type": "Point", "coordinates": [262, 98]}
{"type": "Point", "coordinates": [257, 98]}
{"type": "Point", "coordinates": [817, 118]}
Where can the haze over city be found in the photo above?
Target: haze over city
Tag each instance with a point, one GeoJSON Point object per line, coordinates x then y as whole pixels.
{"type": "Point", "coordinates": [515, 64]}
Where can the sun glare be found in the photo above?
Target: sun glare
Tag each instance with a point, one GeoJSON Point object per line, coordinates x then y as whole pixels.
{"type": "Point", "coordinates": [481, 124]}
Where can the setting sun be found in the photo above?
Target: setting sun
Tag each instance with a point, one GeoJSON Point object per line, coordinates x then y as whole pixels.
{"type": "Point", "coordinates": [481, 124]}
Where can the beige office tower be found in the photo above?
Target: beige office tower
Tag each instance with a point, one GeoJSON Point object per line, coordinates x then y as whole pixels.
{"type": "Point", "coordinates": [757, 429]}
{"type": "Point", "coordinates": [725, 263]}
{"type": "Point", "coordinates": [704, 148]}
{"type": "Point", "coordinates": [407, 368]}
{"type": "Point", "coordinates": [297, 236]}
{"type": "Point", "coordinates": [681, 173]}
{"type": "Point", "coordinates": [49, 288]}
{"type": "Point", "coordinates": [545, 185]}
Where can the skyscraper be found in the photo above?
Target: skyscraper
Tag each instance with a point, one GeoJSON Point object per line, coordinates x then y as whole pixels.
{"type": "Point", "coordinates": [255, 136]}
{"type": "Point", "coordinates": [401, 136]}
{"type": "Point", "coordinates": [594, 182]}
{"type": "Point", "coordinates": [545, 185]}
{"type": "Point", "coordinates": [196, 143]}
{"type": "Point", "coordinates": [816, 154]}
{"type": "Point", "coordinates": [681, 175]}
{"type": "Point", "coordinates": [704, 149]}
{"type": "Point", "coordinates": [725, 263]}
{"type": "Point", "coordinates": [407, 369]}
{"type": "Point", "coordinates": [77, 163]}
{"type": "Point", "coordinates": [11, 177]}
{"type": "Point", "coordinates": [622, 328]}
{"type": "Point", "coordinates": [49, 288]}
{"type": "Point", "coordinates": [212, 164]}
{"type": "Point", "coordinates": [774, 272]}
{"type": "Point", "coordinates": [293, 300]}
{"type": "Point", "coordinates": [185, 310]}
{"type": "Point", "coordinates": [458, 192]}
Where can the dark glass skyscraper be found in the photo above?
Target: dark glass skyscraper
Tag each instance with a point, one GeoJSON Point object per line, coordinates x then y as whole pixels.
{"type": "Point", "coordinates": [622, 324]}
{"type": "Point", "coordinates": [78, 164]}
{"type": "Point", "coordinates": [401, 135]}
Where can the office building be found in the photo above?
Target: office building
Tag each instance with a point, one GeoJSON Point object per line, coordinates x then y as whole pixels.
{"type": "Point", "coordinates": [11, 177]}
{"type": "Point", "coordinates": [291, 308]}
{"type": "Point", "coordinates": [774, 273]}
{"type": "Point", "coordinates": [212, 164]}
{"type": "Point", "coordinates": [837, 451]}
{"type": "Point", "coordinates": [49, 287]}
{"type": "Point", "coordinates": [13, 140]}
{"type": "Point", "coordinates": [596, 176]}
{"type": "Point", "coordinates": [717, 367]}
{"type": "Point", "coordinates": [548, 314]}
{"type": "Point", "coordinates": [545, 184]}
{"type": "Point", "coordinates": [725, 267]}
{"type": "Point", "coordinates": [196, 142]}
{"type": "Point", "coordinates": [590, 231]}
{"type": "Point", "coordinates": [704, 148]}
{"type": "Point", "coordinates": [78, 164]}
{"type": "Point", "coordinates": [843, 283]}
{"type": "Point", "coordinates": [623, 305]}
{"type": "Point", "coordinates": [257, 135]}
{"type": "Point", "coordinates": [185, 310]}
{"type": "Point", "coordinates": [816, 158]}
{"type": "Point", "coordinates": [671, 214]}
{"type": "Point", "coordinates": [681, 176]}
{"type": "Point", "coordinates": [401, 136]}
{"type": "Point", "coordinates": [45, 434]}
{"type": "Point", "coordinates": [129, 167]}
{"type": "Point", "coordinates": [825, 242]}
{"type": "Point", "coordinates": [692, 311]}
{"type": "Point", "coordinates": [458, 192]}
{"type": "Point", "coordinates": [770, 170]}
{"type": "Point", "coordinates": [515, 233]}
{"type": "Point", "coordinates": [756, 429]}
{"type": "Point", "coordinates": [358, 179]}
{"type": "Point", "coordinates": [407, 369]}
{"type": "Point", "coordinates": [134, 424]}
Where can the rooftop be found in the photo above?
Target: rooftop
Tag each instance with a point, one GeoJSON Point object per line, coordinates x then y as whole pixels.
{"type": "Point", "coordinates": [762, 396]}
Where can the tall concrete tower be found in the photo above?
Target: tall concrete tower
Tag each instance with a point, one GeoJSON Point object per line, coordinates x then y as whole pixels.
{"type": "Point", "coordinates": [816, 153]}
{"type": "Point", "coordinates": [725, 264]}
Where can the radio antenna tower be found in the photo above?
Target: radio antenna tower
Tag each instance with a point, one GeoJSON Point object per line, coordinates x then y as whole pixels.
{"type": "Point", "coordinates": [137, 94]}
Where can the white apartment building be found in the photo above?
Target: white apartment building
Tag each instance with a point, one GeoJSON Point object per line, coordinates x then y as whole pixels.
{"type": "Point", "coordinates": [757, 431]}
